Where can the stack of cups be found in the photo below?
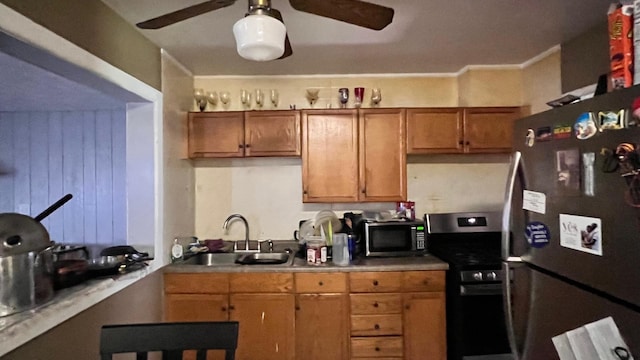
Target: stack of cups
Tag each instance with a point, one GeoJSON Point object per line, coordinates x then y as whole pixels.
{"type": "Point", "coordinates": [340, 250]}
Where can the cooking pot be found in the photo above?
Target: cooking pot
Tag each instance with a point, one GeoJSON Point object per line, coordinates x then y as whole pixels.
{"type": "Point", "coordinates": [26, 264]}
{"type": "Point", "coordinates": [26, 261]}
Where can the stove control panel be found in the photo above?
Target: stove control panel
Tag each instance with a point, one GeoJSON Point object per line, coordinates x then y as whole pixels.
{"type": "Point", "coordinates": [481, 275]}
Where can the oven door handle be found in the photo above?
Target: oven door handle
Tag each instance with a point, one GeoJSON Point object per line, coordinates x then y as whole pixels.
{"type": "Point", "coordinates": [481, 289]}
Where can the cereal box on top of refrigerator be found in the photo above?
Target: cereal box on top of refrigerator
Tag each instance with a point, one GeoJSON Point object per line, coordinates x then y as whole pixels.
{"type": "Point", "coordinates": [620, 19]}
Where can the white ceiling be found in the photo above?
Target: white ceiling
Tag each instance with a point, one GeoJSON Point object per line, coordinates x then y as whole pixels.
{"type": "Point", "coordinates": [426, 36]}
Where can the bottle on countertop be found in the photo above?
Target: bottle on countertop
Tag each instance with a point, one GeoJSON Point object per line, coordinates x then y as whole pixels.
{"type": "Point", "coordinates": [177, 251]}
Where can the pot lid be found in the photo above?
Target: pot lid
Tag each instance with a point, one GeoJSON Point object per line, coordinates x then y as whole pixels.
{"type": "Point", "coordinates": [21, 234]}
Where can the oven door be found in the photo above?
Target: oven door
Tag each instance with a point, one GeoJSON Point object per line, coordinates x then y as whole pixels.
{"type": "Point", "coordinates": [394, 239]}
{"type": "Point", "coordinates": [476, 324]}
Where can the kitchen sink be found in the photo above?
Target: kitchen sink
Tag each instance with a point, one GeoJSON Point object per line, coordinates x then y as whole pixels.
{"type": "Point", "coordinates": [265, 258]}
{"type": "Point", "coordinates": [240, 258]}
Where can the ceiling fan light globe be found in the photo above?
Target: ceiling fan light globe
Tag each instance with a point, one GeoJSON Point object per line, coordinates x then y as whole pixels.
{"type": "Point", "coordinates": [259, 37]}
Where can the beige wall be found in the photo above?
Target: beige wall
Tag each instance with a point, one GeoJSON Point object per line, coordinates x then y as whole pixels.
{"type": "Point", "coordinates": [93, 26]}
{"type": "Point", "coordinates": [268, 192]}
{"type": "Point", "coordinates": [179, 209]}
{"type": "Point", "coordinates": [542, 79]}
{"type": "Point", "coordinates": [495, 86]}
{"type": "Point", "coordinates": [79, 337]}
{"type": "Point", "coordinates": [400, 91]}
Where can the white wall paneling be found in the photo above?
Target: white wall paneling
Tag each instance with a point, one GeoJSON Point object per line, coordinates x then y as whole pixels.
{"type": "Point", "coordinates": [45, 155]}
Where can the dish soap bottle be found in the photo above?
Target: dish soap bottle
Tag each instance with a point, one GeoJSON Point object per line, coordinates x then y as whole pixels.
{"type": "Point", "coordinates": [177, 252]}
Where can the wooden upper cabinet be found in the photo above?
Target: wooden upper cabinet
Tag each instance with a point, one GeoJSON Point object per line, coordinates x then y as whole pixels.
{"type": "Point", "coordinates": [330, 155]}
{"type": "Point", "coordinates": [489, 129]}
{"type": "Point", "coordinates": [431, 131]}
{"type": "Point", "coordinates": [272, 133]}
{"type": "Point", "coordinates": [351, 155]}
{"type": "Point", "coordinates": [383, 167]}
{"type": "Point", "coordinates": [460, 130]}
{"type": "Point", "coordinates": [239, 134]}
{"type": "Point", "coordinates": [216, 134]}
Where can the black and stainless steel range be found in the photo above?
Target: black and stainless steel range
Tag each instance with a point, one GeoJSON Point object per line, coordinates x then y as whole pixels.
{"type": "Point", "coordinates": [470, 243]}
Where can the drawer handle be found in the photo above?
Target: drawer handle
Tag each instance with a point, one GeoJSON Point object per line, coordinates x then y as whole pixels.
{"type": "Point", "coordinates": [320, 283]}
{"type": "Point", "coordinates": [375, 282]}
{"type": "Point", "coordinates": [375, 304]}
{"type": "Point", "coordinates": [376, 326]}
{"type": "Point", "coordinates": [377, 348]}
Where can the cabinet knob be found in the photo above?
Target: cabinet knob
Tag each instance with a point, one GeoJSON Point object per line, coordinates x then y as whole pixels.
{"type": "Point", "coordinates": [224, 308]}
{"type": "Point", "coordinates": [304, 192]}
{"type": "Point", "coordinates": [375, 282]}
{"type": "Point", "coordinates": [297, 307]}
{"type": "Point", "coordinates": [364, 191]}
{"type": "Point", "coordinates": [467, 143]}
{"type": "Point", "coordinates": [231, 307]}
{"type": "Point", "coordinates": [376, 326]}
{"type": "Point", "coordinates": [375, 305]}
{"type": "Point", "coordinates": [320, 283]}
{"type": "Point", "coordinates": [377, 348]}
{"type": "Point", "coordinates": [407, 306]}
{"type": "Point", "coordinates": [460, 142]}
{"type": "Point", "coordinates": [240, 146]}
{"type": "Point", "coordinates": [247, 146]}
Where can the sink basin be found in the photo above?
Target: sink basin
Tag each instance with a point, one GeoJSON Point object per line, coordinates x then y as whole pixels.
{"type": "Point", "coordinates": [239, 258]}
{"type": "Point", "coordinates": [264, 258]}
{"type": "Point", "coordinates": [213, 259]}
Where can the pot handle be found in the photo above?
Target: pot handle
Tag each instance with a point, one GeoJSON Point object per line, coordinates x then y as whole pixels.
{"type": "Point", "coordinates": [53, 207]}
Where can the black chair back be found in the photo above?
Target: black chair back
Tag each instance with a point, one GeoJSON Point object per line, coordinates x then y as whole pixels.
{"type": "Point", "coordinates": [169, 338]}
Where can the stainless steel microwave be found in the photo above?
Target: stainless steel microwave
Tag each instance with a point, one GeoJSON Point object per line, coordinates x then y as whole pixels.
{"type": "Point", "coordinates": [394, 238]}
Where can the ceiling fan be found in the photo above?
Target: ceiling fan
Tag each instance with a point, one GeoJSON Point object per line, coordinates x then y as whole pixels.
{"type": "Point", "coordinates": [261, 34]}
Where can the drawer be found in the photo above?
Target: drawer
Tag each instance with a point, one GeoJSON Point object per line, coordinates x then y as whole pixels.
{"type": "Point", "coordinates": [198, 283]}
{"type": "Point", "coordinates": [376, 325]}
{"type": "Point", "coordinates": [375, 347]}
{"type": "Point", "coordinates": [372, 304]}
{"type": "Point", "coordinates": [380, 281]}
{"type": "Point", "coordinates": [420, 281]}
{"type": "Point", "coordinates": [321, 282]}
{"type": "Point", "coordinates": [261, 282]}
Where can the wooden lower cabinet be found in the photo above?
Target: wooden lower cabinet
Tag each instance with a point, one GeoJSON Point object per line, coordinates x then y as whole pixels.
{"type": "Point", "coordinates": [322, 316]}
{"type": "Point", "coordinates": [398, 315]}
{"type": "Point", "coordinates": [318, 315]}
{"type": "Point", "coordinates": [266, 325]}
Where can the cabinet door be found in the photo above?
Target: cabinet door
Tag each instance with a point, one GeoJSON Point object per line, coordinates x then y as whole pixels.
{"type": "Point", "coordinates": [425, 326]}
{"type": "Point", "coordinates": [383, 175]}
{"type": "Point", "coordinates": [322, 327]}
{"type": "Point", "coordinates": [216, 134]}
{"type": "Point", "coordinates": [489, 130]}
{"type": "Point", "coordinates": [329, 155]}
{"type": "Point", "coordinates": [431, 131]}
{"type": "Point", "coordinates": [266, 325]}
{"type": "Point", "coordinates": [196, 307]}
{"type": "Point", "coordinates": [272, 133]}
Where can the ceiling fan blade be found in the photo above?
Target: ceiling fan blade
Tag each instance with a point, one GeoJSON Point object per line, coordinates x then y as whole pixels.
{"type": "Point", "coordinates": [183, 14]}
{"type": "Point", "coordinates": [355, 12]}
{"type": "Point", "coordinates": [288, 51]}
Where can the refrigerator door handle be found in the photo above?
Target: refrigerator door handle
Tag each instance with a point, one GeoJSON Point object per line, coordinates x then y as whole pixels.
{"type": "Point", "coordinates": [507, 268]}
{"type": "Point", "coordinates": [514, 171]}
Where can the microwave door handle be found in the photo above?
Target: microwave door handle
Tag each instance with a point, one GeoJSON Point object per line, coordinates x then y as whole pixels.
{"type": "Point", "coordinates": [515, 170]}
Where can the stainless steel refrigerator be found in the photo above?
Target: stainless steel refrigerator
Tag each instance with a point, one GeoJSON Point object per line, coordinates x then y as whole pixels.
{"type": "Point", "coordinates": [571, 226]}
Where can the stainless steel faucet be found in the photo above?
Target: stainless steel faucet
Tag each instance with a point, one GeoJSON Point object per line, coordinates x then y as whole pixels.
{"type": "Point", "coordinates": [225, 226]}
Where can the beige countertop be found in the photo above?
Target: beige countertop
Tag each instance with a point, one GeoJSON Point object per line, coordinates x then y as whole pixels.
{"type": "Point", "coordinates": [426, 262]}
